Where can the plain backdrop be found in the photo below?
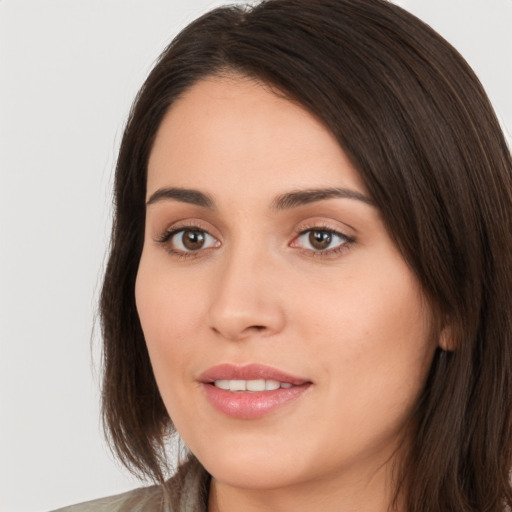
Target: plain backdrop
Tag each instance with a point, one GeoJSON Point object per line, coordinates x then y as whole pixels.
{"type": "Point", "coordinates": [69, 70]}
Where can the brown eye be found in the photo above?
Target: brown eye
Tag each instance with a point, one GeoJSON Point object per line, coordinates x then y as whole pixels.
{"type": "Point", "coordinates": [320, 240]}
{"type": "Point", "coordinates": [190, 240]}
{"type": "Point", "coordinates": [193, 240]}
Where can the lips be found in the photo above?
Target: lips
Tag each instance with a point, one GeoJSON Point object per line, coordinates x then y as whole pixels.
{"type": "Point", "coordinates": [250, 391]}
{"type": "Point", "coordinates": [248, 372]}
{"type": "Point", "coordinates": [253, 385]}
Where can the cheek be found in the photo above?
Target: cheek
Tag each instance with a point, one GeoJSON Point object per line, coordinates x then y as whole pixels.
{"type": "Point", "coordinates": [169, 314]}
{"type": "Point", "coordinates": [372, 336]}
{"type": "Point", "coordinates": [365, 313]}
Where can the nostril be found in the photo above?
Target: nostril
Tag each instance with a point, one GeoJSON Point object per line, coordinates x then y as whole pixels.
{"type": "Point", "coordinates": [255, 329]}
{"type": "Point", "coordinates": [243, 332]}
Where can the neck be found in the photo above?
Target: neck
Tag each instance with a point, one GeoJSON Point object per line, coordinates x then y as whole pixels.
{"type": "Point", "coordinates": [348, 492]}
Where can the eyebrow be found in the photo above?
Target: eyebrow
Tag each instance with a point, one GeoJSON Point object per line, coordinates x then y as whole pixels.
{"type": "Point", "coordinates": [286, 201]}
{"type": "Point", "coordinates": [184, 195]}
{"type": "Point", "coordinates": [303, 197]}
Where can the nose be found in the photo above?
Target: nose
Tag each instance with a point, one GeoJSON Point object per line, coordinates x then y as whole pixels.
{"type": "Point", "coordinates": [246, 299]}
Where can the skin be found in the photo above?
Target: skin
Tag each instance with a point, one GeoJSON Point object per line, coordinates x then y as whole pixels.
{"type": "Point", "coordinates": [351, 319]}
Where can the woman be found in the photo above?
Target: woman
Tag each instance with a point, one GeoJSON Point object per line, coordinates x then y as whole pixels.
{"type": "Point", "coordinates": [310, 271]}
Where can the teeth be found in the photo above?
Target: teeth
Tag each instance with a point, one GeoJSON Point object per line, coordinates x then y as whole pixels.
{"type": "Point", "coordinates": [271, 385]}
{"type": "Point", "coordinates": [222, 384]}
{"type": "Point", "coordinates": [255, 385]}
{"type": "Point", "coordinates": [237, 385]}
{"type": "Point", "coordinates": [251, 385]}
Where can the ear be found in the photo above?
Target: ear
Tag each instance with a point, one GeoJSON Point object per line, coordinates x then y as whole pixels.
{"type": "Point", "coordinates": [446, 339]}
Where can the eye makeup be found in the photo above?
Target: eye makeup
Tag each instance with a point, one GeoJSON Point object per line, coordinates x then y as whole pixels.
{"type": "Point", "coordinates": [190, 239]}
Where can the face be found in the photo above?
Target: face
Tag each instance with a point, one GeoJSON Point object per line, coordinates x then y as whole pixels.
{"type": "Point", "coordinates": [289, 339]}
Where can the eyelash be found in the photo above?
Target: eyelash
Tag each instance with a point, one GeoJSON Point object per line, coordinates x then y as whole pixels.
{"type": "Point", "coordinates": [344, 245]}
{"type": "Point", "coordinates": [168, 235]}
{"type": "Point", "coordinates": [165, 238]}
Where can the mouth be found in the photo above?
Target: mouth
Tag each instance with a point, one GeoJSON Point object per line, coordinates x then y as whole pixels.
{"type": "Point", "coordinates": [252, 386]}
{"type": "Point", "coordinates": [249, 373]}
{"type": "Point", "coordinates": [250, 391]}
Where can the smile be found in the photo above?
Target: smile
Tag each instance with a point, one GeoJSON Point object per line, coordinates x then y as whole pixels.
{"type": "Point", "coordinates": [251, 391]}
{"type": "Point", "coordinates": [251, 385]}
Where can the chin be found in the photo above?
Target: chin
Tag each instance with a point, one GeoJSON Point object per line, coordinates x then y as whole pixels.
{"type": "Point", "coordinates": [254, 467]}
{"type": "Point", "coordinates": [255, 475]}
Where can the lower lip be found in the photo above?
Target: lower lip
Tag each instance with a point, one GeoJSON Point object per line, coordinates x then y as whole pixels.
{"type": "Point", "coordinates": [251, 405]}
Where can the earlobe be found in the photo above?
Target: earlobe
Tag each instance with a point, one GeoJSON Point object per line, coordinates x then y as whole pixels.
{"type": "Point", "coordinates": [446, 339]}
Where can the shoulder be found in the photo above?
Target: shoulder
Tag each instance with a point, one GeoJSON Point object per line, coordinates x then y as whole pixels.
{"type": "Point", "coordinates": [147, 499]}
{"type": "Point", "coordinates": [186, 491]}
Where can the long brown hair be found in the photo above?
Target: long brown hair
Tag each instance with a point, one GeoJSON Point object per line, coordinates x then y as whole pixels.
{"type": "Point", "coordinates": [416, 123]}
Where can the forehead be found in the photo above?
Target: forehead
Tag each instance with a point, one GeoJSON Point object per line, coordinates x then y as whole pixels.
{"type": "Point", "coordinates": [238, 133]}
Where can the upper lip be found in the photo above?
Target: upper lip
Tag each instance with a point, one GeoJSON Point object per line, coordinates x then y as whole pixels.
{"type": "Point", "coordinates": [229, 371]}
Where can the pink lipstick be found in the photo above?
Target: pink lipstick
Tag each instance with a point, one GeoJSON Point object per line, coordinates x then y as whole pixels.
{"type": "Point", "coordinates": [250, 391]}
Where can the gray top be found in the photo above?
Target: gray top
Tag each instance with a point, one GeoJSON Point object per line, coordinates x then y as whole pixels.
{"type": "Point", "coordinates": [186, 491]}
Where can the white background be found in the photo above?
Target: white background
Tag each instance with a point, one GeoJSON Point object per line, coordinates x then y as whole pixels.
{"type": "Point", "coordinates": [68, 72]}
